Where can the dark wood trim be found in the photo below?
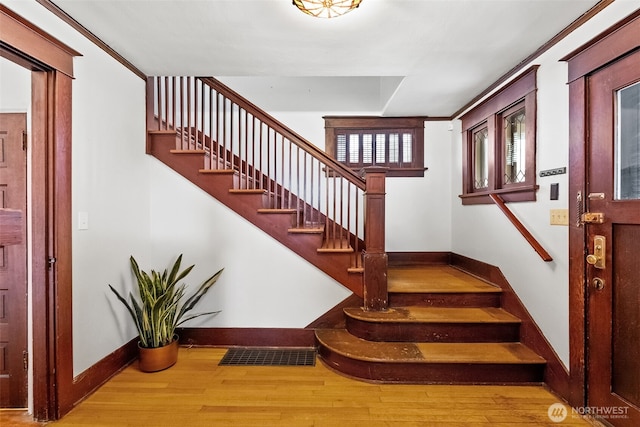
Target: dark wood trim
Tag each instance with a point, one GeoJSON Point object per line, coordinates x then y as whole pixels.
{"type": "Point", "coordinates": [374, 258]}
{"type": "Point", "coordinates": [597, 8]}
{"type": "Point", "coordinates": [19, 35]}
{"type": "Point", "coordinates": [619, 40]}
{"type": "Point", "coordinates": [556, 375]}
{"type": "Point", "coordinates": [612, 43]}
{"type": "Point", "coordinates": [511, 194]}
{"type": "Point", "coordinates": [515, 91]}
{"type": "Point", "coordinates": [373, 122]}
{"type": "Point", "coordinates": [418, 258]}
{"type": "Point", "coordinates": [53, 8]}
{"type": "Point", "coordinates": [577, 238]}
{"type": "Point", "coordinates": [60, 219]}
{"type": "Point", "coordinates": [90, 380]}
{"type": "Point", "coordinates": [334, 318]}
{"type": "Point", "coordinates": [249, 337]}
{"type": "Point", "coordinates": [44, 390]}
{"type": "Point", "coordinates": [520, 93]}
{"type": "Point", "coordinates": [51, 87]}
{"type": "Point", "coordinates": [365, 124]}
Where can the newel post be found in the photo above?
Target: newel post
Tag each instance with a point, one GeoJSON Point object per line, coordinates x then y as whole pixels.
{"type": "Point", "coordinates": [375, 257]}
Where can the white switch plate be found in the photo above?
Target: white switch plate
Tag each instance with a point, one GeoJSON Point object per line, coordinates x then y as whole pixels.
{"type": "Point", "coordinates": [83, 220]}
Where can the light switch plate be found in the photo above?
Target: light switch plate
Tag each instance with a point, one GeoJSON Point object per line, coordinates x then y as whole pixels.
{"type": "Point", "coordinates": [559, 217]}
{"type": "Point", "coordinates": [83, 220]}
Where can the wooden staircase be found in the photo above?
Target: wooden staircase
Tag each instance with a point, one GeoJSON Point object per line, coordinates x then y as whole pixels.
{"type": "Point", "coordinates": [442, 326]}
{"type": "Point", "coordinates": [306, 239]}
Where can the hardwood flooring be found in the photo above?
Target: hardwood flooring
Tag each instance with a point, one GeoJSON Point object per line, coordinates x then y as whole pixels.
{"type": "Point", "coordinates": [198, 392]}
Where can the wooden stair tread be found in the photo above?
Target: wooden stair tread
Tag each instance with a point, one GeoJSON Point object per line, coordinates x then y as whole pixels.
{"type": "Point", "coordinates": [307, 230]}
{"type": "Point", "coordinates": [435, 279]}
{"type": "Point", "coordinates": [342, 342]}
{"type": "Point", "coordinates": [195, 151]}
{"type": "Point", "coordinates": [217, 171]}
{"type": "Point", "coordinates": [332, 246]}
{"type": "Point", "coordinates": [276, 211]}
{"type": "Point", "coordinates": [417, 314]}
{"type": "Point", "coordinates": [247, 191]}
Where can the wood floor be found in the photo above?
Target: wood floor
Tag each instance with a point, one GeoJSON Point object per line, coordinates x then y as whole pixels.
{"type": "Point", "coordinates": [198, 392]}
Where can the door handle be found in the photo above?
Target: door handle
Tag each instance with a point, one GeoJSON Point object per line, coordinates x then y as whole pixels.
{"type": "Point", "coordinates": [597, 258]}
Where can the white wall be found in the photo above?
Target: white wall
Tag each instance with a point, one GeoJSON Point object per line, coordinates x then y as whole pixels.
{"type": "Point", "coordinates": [482, 232]}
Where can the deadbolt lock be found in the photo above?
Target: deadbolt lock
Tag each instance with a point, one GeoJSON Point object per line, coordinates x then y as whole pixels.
{"type": "Point", "coordinates": [598, 283]}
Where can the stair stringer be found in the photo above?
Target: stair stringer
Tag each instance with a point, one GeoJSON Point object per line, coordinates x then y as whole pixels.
{"type": "Point", "coordinates": [277, 225]}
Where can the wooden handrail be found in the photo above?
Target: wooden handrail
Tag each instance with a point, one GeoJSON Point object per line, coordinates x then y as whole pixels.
{"type": "Point", "coordinates": [499, 201]}
{"type": "Point", "coordinates": [294, 174]}
{"type": "Point", "coordinates": [283, 130]}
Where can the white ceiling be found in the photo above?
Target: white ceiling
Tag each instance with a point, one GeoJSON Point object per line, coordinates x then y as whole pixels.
{"type": "Point", "coordinates": [393, 57]}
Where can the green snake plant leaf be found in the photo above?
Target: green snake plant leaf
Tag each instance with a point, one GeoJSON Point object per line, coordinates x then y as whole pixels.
{"type": "Point", "coordinates": [159, 309]}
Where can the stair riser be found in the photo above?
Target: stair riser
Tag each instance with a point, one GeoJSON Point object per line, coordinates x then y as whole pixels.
{"type": "Point", "coordinates": [434, 373]}
{"type": "Point", "coordinates": [432, 332]}
{"type": "Point", "coordinates": [445, 299]}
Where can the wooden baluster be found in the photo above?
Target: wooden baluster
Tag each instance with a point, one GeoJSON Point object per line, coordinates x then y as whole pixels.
{"type": "Point", "coordinates": [174, 102]}
{"type": "Point", "coordinates": [182, 112]}
{"type": "Point", "coordinates": [261, 156]}
{"type": "Point", "coordinates": [166, 102]}
{"type": "Point", "coordinates": [188, 106]}
{"type": "Point", "coordinates": [212, 149]}
{"type": "Point", "coordinates": [375, 258]}
{"type": "Point", "coordinates": [159, 101]}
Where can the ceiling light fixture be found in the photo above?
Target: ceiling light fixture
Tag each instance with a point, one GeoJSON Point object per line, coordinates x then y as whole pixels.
{"type": "Point", "coordinates": [326, 8]}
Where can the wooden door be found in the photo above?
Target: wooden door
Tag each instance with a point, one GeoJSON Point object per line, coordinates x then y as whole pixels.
{"type": "Point", "coordinates": [613, 243]}
{"type": "Point", "coordinates": [13, 264]}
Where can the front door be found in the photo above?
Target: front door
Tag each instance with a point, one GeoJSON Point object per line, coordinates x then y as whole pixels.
{"type": "Point", "coordinates": [613, 243]}
{"type": "Point", "coordinates": [13, 265]}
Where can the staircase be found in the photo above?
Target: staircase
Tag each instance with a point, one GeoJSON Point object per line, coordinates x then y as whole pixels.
{"type": "Point", "coordinates": [263, 171]}
{"type": "Point", "coordinates": [442, 326]}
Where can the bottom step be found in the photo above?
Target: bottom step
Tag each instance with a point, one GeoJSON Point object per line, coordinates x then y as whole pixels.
{"type": "Point", "coordinates": [429, 363]}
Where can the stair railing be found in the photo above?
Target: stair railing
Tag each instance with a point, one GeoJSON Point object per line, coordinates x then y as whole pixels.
{"type": "Point", "coordinates": [267, 156]}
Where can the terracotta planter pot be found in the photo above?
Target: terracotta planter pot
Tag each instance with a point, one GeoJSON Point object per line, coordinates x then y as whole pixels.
{"type": "Point", "coordinates": [159, 358]}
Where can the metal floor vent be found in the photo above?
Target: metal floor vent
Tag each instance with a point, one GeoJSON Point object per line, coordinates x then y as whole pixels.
{"type": "Point", "coordinates": [244, 356]}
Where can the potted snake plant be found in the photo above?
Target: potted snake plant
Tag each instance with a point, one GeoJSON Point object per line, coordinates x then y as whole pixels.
{"type": "Point", "coordinates": [160, 309]}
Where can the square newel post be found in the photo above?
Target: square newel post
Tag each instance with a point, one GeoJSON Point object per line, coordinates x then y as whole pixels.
{"type": "Point", "coordinates": [375, 258]}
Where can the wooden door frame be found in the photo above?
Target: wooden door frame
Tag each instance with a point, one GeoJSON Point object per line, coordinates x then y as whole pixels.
{"type": "Point", "coordinates": [51, 65]}
{"type": "Point", "coordinates": [607, 47]}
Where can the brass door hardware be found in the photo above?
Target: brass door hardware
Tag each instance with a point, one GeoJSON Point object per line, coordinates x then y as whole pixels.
{"type": "Point", "coordinates": [597, 258]}
{"type": "Point", "coordinates": [592, 218]}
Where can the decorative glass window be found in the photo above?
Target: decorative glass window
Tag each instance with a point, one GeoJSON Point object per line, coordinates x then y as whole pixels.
{"type": "Point", "coordinates": [513, 142]}
{"type": "Point", "coordinates": [499, 144]}
{"type": "Point", "coordinates": [481, 158]}
{"type": "Point", "coordinates": [392, 142]}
